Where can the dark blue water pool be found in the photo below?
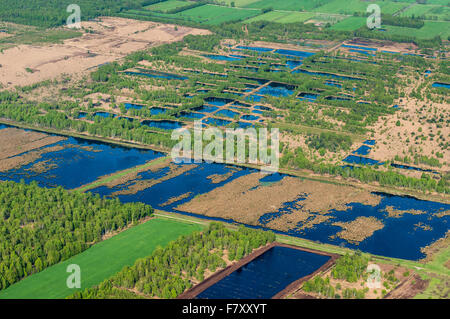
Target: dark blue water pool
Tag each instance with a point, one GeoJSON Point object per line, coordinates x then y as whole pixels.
{"type": "Point", "coordinates": [308, 96]}
{"type": "Point", "coordinates": [104, 114]}
{"type": "Point", "coordinates": [227, 113]}
{"type": "Point", "coordinates": [362, 52]}
{"type": "Point", "coordinates": [335, 76]}
{"type": "Point", "coordinates": [158, 75]}
{"type": "Point", "coordinates": [79, 163]}
{"type": "Point", "coordinates": [276, 89]}
{"type": "Point", "coordinates": [359, 47]}
{"type": "Point", "coordinates": [353, 159]}
{"type": "Point", "coordinates": [248, 117]}
{"type": "Point", "coordinates": [266, 275]}
{"type": "Point", "coordinates": [441, 85]}
{"type": "Point", "coordinates": [217, 122]}
{"type": "Point", "coordinates": [195, 181]}
{"type": "Point", "coordinates": [163, 124]}
{"type": "Point", "coordinates": [399, 238]}
{"type": "Point", "coordinates": [222, 57]}
{"type": "Point", "coordinates": [254, 98]}
{"type": "Point", "coordinates": [218, 101]}
{"type": "Point", "coordinates": [206, 108]}
{"type": "Point", "coordinates": [133, 106]}
{"type": "Point", "coordinates": [257, 49]}
{"type": "Point", "coordinates": [295, 53]}
{"type": "Point", "coordinates": [369, 142]}
{"type": "Point", "coordinates": [362, 150]}
{"type": "Point", "coordinates": [191, 115]}
{"type": "Point", "coordinates": [292, 64]}
{"type": "Point", "coordinates": [332, 83]}
{"type": "Point", "coordinates": [157, 110]}
{"type": "Point", "coordinates": [244, 124]}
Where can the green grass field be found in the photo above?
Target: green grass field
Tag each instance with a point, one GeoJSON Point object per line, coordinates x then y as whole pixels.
{"type": "Point", "coordinates": [282, 17]}
{"type": "Point", "coordinates": [289, 5]}
{"type": "Point", "coordinates": [428, 31]}
{"type": "Point", "coordinates": [168, 5]}
{"type": "Point", "coordinates": [350, 24]}
{"type": "Point", "coordinates": [214, 15]}
{"type": "Point", "coordinates": [207, 14]}
{"type": "Point", "coordinates": [352, 6]}
{"type": "Point", "coordinates": [417, 10]}
{"type": "Point", "coordinates": [102, 260]}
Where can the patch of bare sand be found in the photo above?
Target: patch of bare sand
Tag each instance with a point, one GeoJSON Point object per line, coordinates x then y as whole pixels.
{"type": "Point", "coordinates": [113, 38]}
{"type": "Point", "coordinates": [245, 200]}
{"type": "Point", "coordinates": [359, 229]}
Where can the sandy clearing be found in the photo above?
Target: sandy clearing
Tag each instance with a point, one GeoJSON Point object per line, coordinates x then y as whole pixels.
{"type": "Point", "coordinates": [113, 38]}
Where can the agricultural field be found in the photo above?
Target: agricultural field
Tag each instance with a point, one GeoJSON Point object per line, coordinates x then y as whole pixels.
{"type": "Point", "coordinates": [207, 14]}
{"type": "Point", "coordinates": [282, 17]}
{"type": "Point", "coordinates": [166, 6]}
{"type": "Point", "coordinates": [101, 260]}
{"type": "Point", "coordinates": [430, 30]}
{"type": "Point", "coordinates": [288, 5]}
{"type": "Point", "coordinates": [352, 6]}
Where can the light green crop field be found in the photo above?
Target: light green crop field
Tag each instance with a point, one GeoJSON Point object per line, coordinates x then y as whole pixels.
{"type": "Point", "coordinates": [168, 5]}
{"type": "Point", "coordinates": [214, 15]}
{"type": "Point", "coordinates": [290, 5]}
{"type": "Point", "coordinates": [428, 31]}
{"type": "Point", "coordinates": [237, 3]}
{"type": "Point", "coordinates": [417, 10]}
{"type": "Point", "coordinates": [283, 17]}
{"type": "Point", "coordinates": [102, 260]}
{"type": "Point", "coordinates": [352, 6]}
{"type": "Point", "coordinates": [350, 24]}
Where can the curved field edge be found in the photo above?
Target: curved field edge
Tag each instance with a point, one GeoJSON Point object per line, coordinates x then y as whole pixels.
{"type": "Point", "coordinates": [102, 260]}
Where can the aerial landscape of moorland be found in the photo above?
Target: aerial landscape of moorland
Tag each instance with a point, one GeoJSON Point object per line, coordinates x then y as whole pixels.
{"type": "Point", "coordinates": [103, 196]}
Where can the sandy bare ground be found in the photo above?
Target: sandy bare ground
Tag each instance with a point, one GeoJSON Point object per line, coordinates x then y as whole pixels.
{"type": "Point", "coordinates": [113, 38]}
{"type": "Point", "coordinates": [416, 119]}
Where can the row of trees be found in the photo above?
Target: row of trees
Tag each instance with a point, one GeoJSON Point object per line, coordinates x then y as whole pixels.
{"type": "Point", "coordinates": [169, 271]}
{"type": "Point", "coordinates": [40, 227]}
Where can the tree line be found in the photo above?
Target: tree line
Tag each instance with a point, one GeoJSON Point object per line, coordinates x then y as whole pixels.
{"type": "Point", "coordinates": [170, 271]}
